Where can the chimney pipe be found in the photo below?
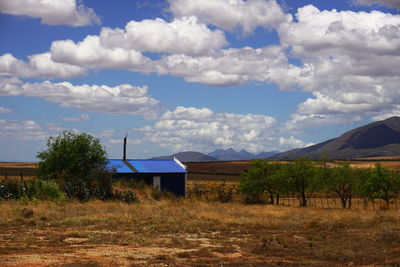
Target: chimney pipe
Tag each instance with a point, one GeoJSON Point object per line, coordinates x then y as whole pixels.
{"type": "Point", "coordinates": [125, 147]}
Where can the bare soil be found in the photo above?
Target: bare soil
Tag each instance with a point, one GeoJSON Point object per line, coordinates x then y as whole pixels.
{"type": "Point", "coordinates": [193, 233]}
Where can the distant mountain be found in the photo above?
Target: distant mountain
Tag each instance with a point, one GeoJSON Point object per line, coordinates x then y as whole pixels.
{"type": "Point", "coordinates": [377, 139]}
{"type": "Point", "coordinates": [230, 154]}
{"type": "Point", "coordinates": [188, 156]}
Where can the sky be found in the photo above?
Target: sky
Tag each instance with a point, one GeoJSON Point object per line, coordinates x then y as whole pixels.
{"type": "Point", "coordinates": [194, 75]}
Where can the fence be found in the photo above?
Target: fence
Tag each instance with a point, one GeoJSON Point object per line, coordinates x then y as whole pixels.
{"type": "Point", "coordinates": [211, 191]}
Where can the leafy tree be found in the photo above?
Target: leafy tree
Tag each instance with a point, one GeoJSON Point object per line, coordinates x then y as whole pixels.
{"type": "Point", "coordinates": [251, 183]}
{"type": "Point", "coordinates": [259, 179]}
{"type": "Point", "coordinates": [301, 176]}
{"type": "Point", "coordinates": [79, 161]}
{"type": "Point", "coordinates": [382, 183]}
{"type": "Point", "coordinates": [343, 181]}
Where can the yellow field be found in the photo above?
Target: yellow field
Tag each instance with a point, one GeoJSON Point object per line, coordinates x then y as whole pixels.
{"type": "Point", "coordinates": [194, 233]}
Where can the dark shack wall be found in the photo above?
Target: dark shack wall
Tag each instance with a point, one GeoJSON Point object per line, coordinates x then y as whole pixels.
{"type": "Point", "coordinates": [172, 182]}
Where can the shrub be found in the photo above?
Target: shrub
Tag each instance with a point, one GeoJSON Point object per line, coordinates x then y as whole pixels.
{"type": "Point", "coordinates": [27, 213]}
{"type": "Point", "coordinates": [11, 189]}
{"type": "Point", "coordinates": [129, 197]}
{"type": "Point", "coordinates": [224, 192]}
{"type": "Point", "coordinates": [45, 190]}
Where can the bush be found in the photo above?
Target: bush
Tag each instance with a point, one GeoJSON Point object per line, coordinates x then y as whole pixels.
{"type": "Point", "coordinates": [11, 189]}
{"type": "Point", "coordinates": [45, 190]}
{"type": "Point", "coordinates": [224, 192]}
{"type": "Point", "coordinates": [128, 197]}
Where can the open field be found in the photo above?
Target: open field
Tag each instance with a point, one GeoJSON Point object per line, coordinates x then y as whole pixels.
{"type": "Point", "coordinates": [192, 233]}
{"type": "Point", "coordinates": [205, 171]}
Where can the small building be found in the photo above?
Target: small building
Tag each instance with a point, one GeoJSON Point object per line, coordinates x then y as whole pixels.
{"type": "Point", "coordinates": [167, 175]}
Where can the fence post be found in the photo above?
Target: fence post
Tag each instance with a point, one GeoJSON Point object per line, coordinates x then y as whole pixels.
{"type": "Point", "coordinates": [327, 200]}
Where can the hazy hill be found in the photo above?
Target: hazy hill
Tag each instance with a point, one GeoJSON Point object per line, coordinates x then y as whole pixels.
{"type": "Point", "coordinates": [231, 154]}
{"type": "Point", "coordinates": [380, 138]}
{"type": "Point", "coordinates": [189, 156]}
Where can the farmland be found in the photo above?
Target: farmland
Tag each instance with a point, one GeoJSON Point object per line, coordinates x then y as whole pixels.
{"type": "Point", "coordinates": [199, 230]}
{"type": "Point", "coordinates": [193, 233]}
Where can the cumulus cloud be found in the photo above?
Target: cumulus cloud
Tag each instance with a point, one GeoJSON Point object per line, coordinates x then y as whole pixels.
{"type": "Point", "coordinates": [90, 53]}
{"type": "Point", "coordinates": [304, 122]}
{"type": "Point", "coordinates": [200, 129]}
{"type": "Point", "coordinates": [233, 66]}
{"type": "Point", "coordinates": [120, 99]}
{"type": "Point", "coordinates": [54, 12]}
{"type": "Point", "coordinates": [122, 49]}
{"type": "Point", "coordinates": [83, 117]}
{"type": "Point", "coordinates": [245, 15]}
{"type": "Point", "coordinates": [4, 110]}
{"type": "Point", "coordinates": [183, 36]}
{"type": "Point", "coordinates": [351, 63]}
{"type": "Point", "coordinates": [204, 64]}
{"type": "Point", "coordinates": [38, 66]}
{"type": "Point", "coordinates": [388, 3]}
{"type": "Point", "coordinates": [27, 130]}
{"type": "Point", "coordinates": [387, 113]}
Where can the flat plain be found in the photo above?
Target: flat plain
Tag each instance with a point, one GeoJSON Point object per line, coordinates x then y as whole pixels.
{"type": "Point", "coordinates": [192, 232]}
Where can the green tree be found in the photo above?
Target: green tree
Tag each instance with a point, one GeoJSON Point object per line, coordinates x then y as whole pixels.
{"type": "Point", "coordinates": [382, 183]}
{"type": "Point", "coordinates": [79, 161]}
{"type": "Point", "coordinates": [258, 180]}
{"type": "Point", "coordinates": [343, 181]}
{"type": "Point", "coordinates": [301, 178]}
{"type": "Point", "coordinates": [251, 183]}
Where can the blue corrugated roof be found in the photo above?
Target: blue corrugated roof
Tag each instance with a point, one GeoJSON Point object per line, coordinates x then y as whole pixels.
{"type": "Point", "coordinates": [119, 166]}
{"type": "Point", "coordinates": [157, 166]}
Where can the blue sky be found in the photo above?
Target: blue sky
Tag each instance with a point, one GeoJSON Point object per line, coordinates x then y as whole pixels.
{"type": "Point", "coordinates": [179, 75]}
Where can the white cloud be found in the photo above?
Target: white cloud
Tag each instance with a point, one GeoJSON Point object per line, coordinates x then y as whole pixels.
{"type": "Point", "coordinates": [183, 36]}
{"type": "Point", "coordinates": [83, 117]}
{"type": "Point", "coordinates": [121, 99]}
{"type": "Point", "coordinates": [233, 14]}
{"type": "Point", "coordinates": [387, 113]}
{"type": "Point", "coordinates": [351, 64]}
{"type": "Point", "coordinates": [292, 142]}
{"type": "Point", "coordinates": [38, 66]}
{"type": "Point", "coordinates": [4, 110]}
{"type": "Point", "coordinates": [122, 49]}
{"type": "Point", "coordinates": [188, 128]}
{"type": "Point", "coordinates": [233, 66]}
{"type": "Point", "coordinates": [107, 133]}
{"type": "Point", "coordinates": [52, 12]}
{"type": "Point", "coordinates": [90, 53]}
{"type": "Point", "coordinates": [388, 3]}
{"type": "Point", "coordinates": [27, 130]}
{"type": "Point", "coordinates": [308, 122]}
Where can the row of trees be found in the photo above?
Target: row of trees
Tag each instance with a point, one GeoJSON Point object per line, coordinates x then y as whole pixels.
{"type": "Point", "coordinates": [304, 178]}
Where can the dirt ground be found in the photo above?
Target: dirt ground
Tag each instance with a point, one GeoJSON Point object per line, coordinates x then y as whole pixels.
{"type": "Point", "coordinates": [192, 233]}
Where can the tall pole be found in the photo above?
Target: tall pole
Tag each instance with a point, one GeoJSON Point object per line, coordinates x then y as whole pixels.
{"type": "Point", "coordinates": [125, 147]}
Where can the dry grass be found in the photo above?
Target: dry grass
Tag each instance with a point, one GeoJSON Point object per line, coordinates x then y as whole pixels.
{"type": "Point", "coordinates": [193, 233]}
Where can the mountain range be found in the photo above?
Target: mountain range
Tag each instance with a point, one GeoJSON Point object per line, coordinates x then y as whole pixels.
{"type": "Point", "coordinates": [377, 139]}
{"type": "Point", "coordinates": [188, 156]}
{"type": "Point", "coordinates": [230, 154]}
{"type": "Point", "coordinates": [218, 155]}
